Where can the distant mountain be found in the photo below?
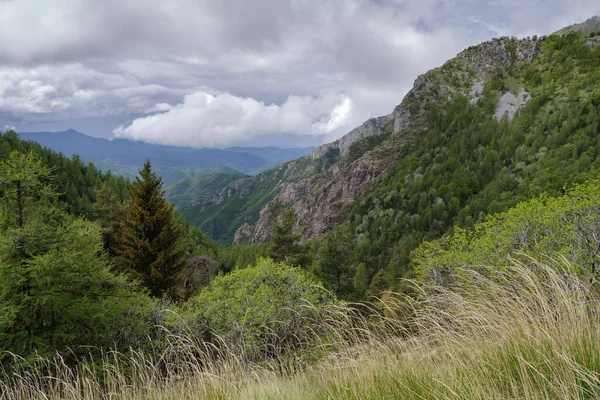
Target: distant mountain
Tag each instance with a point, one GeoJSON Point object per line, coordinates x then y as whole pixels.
{"type": "Point", "coordinates": [273, 155]}
{"type": "Point", "coordinates": [124, 157]}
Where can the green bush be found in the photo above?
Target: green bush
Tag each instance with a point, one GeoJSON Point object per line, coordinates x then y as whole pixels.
{"type": "Point", "coordinates": [563, 227]}
{"type": "Point", "coordinates": [266, 311]}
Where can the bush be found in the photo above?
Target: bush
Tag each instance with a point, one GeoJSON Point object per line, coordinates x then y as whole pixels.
{"type": "Point", "coordinates": [265, 311]}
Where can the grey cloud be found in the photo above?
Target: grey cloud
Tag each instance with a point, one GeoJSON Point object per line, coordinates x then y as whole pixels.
{"type": "Point", "coordinates": [138, 60]}
{"type": "Point", "coordinates": [72, 90]}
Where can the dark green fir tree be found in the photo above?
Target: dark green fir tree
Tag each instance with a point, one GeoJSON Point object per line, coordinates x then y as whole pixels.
{"type": "Point", "coordinates": [153, 248]}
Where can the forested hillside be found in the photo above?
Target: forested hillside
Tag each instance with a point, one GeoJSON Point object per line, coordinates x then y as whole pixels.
{"type": "Point", "coordinates": [76, 182]}
{"type": "Point", "coordinates": [463, 164]}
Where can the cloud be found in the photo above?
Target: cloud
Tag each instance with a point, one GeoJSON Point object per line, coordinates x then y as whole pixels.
{"type": "Point", "coordinates": [77, 59]}
{"type": "Point", "coordinates": [72, 91]}
{"type": "Point", "coordinates": [205, 119]}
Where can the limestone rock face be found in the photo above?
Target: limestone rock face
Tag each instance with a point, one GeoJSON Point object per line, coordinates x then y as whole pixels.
{"type": "Point", "coordinates": [593, 42]}
{"type": "Point", "coordinates": [243, 234]}
{"type": "Point", "coordinates": [496, 55]}
{"type": "Point", "coordinates": [373, 126]}
{"type": "Point", "coordinates": [509, 104]}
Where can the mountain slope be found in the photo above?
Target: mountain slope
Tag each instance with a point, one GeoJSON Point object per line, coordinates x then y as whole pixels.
{"type": "Point", "coordinates": [591, 25]}
{"type": "Point", "coordinates": [327, 197]}
{"type": "Point", "coordinates": [322, 197]}
{"type": "Point", "coordinates": [183, 193]}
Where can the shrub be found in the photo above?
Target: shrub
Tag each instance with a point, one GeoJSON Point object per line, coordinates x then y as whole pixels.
{"type": "Point", "coordinates": [266, 311]}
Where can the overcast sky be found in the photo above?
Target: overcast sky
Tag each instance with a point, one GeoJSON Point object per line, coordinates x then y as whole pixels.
{"type": "Point", "coordinates": [237, 72]}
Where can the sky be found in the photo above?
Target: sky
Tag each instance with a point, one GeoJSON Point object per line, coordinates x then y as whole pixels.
{"type": "Point", "coordinates": [217, 73]}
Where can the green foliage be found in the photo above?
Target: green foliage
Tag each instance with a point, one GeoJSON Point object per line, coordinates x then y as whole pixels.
{"type": "Point", "coordinates": [152, 245]}
{"type": "Point", "coordinates": [266, 310]}
{"type": "Point", "coordinates": [75, 181]}
{"type": "Point", "coordinates": [286, 245]}
{"type": "Point", "coordinates": [334, 265]}
{"type": "Point", "coordinates": [458, 164]}
{"type": "Point", "coordinates": [200, 244]}
{"type": "Point", "coordinates": [185, 193]}
{"type": "Point", "coordinates": [23, 178]}
{"type": "Point", "coordinates": [244, 255]}
{"type": "Point", "coordinates": [110, 211]}
{"type": "Point", "coordinates": [566, 227]}
{"type": "Point", "coordinates": [56, 286]}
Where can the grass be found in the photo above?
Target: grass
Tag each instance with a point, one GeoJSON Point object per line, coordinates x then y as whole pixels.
{"type": "Point", "coordinates": [530, 333]}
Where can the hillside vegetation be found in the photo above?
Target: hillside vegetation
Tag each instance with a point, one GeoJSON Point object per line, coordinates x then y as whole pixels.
{"type": "Point", "coordinates": [447, 250]}
{"type": "Point", "coordinates": [185, 193]}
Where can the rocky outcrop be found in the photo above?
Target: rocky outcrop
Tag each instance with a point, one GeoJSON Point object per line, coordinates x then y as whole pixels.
{"type": "Point", "coordinates": [321, 201]}
{"type": "Point", "coordinates": [509, 104]}
{"type": "Point", "coordinates": [593, 42]}
{"type": "Point", "coordinates": [476, 92]}
{"type": "Point", "coordinates": [373, 126]}
{"type": "Point", "coordinates": [587, 27]}
{"type": "Point", "coordinates": [243, 234]}
{"type": "Point", "coordinates": [499, 54]}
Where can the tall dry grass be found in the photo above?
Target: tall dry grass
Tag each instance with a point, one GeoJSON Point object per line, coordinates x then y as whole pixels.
{"type": "Point", "coordinates": [527, 331]}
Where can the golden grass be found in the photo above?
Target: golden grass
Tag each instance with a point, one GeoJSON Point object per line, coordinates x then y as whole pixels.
{"type": "Point", "coordinates": [529, 332]}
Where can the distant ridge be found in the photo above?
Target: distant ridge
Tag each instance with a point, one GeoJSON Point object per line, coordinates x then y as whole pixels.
{"type": "Point", "coordinates": [586, 27]}
{"type": "Point", "coordinates": [173, 163]}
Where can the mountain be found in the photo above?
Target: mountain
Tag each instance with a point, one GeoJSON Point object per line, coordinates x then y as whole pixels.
{"type": "Point", "coordinates": [502, 122]}
{"type": "Point", "coordinates": [125, 157]}
{"type": "Point", "coordinates": [592, 25]}
{"type": "Point", "coordinates": [273, 155]}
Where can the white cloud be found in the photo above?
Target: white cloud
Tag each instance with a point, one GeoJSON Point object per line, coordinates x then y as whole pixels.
{"type": "Point", "coordinates": [205, 119]}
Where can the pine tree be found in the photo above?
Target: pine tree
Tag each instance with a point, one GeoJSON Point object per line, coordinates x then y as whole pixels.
{"type": "Point", "coordinates": [152, 247]}
{"type": "Point", "coordinates": [334, 262]}
{"type": "Point", "coordinates": [286, 245]}
{"type": "Point", "coordinates": [109, 212]}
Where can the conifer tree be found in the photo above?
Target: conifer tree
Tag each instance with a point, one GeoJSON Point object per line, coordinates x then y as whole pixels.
{"type": "Point", "coordinates": [286, 245]}
{"type": "Point", "coordinates": [152, 247]}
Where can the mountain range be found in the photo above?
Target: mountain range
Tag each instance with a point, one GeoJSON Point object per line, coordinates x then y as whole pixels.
{"type": "Point", "coordinates": [125, 157]}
